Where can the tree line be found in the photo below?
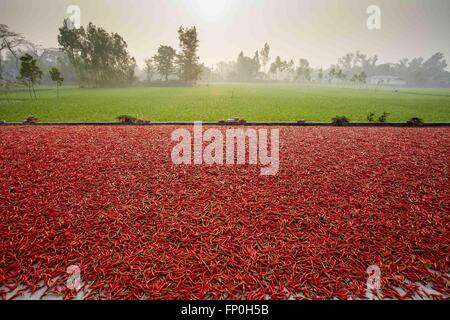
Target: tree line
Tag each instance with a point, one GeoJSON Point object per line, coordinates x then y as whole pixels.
{"type": "Point", "coordinates": [93, 57]}
{"type": "Point", "coordinates": [353, 68]}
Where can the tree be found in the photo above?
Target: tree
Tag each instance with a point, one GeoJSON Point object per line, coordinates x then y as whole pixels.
{"type": "Point", "coordinates": [331, 74]}
{"type": "Point", "coordinates": [320, 75]}
{"type": "Point", "coordinates": [362, 78]}
{"type": "Point", "coordinates": [429, 73]}
{"type": "Point", "coordinates": [98, 57]}
{"type": "Point", "coordinates": [290, 66]}
{"type": "Point", "coordinates": [150, 69]}
{"type": "Point", "coordinates": [10, 40]}
{"type": "Point", "coordinates": [284, 68]}
{"type": "Point", "coordinates": [189, 67]}
{"type": "Point", "coordinates": [304, 71]}
{"type": "Point", "coordinates": [256, 63]}
{"type": "Point", "coordinates": [29, 72]}
{"type": "Point", "coordinates": [340, 75]}
{"type": "Point", "coordinates": [164, 61]}
{"type": "Point", "coordinates": [277, 65]}
{"type": "Point", "coordinates": [346, 62]}
{"type": "Point", "coordinates": [55, 75]}
{"type": "Point", "coordinates": [247, 68]}
{"type": "Point", "coordinates": [354, 78]}
{"type": "Point", "coordinates": [264, 54]}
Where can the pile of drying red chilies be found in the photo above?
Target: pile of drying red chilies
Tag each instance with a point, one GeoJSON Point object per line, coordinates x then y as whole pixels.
{"type": "Point", "coordinates": [110, 201]}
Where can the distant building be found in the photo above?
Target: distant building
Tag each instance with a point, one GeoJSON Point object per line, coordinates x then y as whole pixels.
{"type": "Point", "coordinates": [387, 80]}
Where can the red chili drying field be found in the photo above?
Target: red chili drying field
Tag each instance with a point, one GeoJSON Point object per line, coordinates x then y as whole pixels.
{"type": "Point", "coordinates": [109, 200]}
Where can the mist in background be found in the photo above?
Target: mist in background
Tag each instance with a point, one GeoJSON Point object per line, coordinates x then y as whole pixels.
{"type": "Point", "coordinates": [318, 30]}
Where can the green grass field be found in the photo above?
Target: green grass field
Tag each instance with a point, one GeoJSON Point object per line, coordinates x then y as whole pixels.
{"type": "Point", "coordinates": [217, 102]}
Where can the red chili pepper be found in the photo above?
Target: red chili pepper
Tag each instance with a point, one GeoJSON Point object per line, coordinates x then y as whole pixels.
{"type": "Point", "coordinates": [109, 200]}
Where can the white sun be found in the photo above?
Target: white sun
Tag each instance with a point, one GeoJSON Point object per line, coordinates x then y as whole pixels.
{"type": "Point", "coordinates": [209, 9]}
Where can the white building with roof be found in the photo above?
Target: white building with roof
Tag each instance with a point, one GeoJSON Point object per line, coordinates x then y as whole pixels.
{"type": "Point", "coordinates": [387, 80]}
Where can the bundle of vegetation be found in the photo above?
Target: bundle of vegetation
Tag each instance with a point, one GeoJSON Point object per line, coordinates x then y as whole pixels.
{"type": "Point", "coordinates": [131, 120]}
{"type": "Point", "coordinates": [30, 120]}
{"type": "Point", "coordinates": [415, 122]}
{"type": "Point", "coordinates": [340, 121]}
{"type": "Point", "coordinates": [383, 117]}
{"type": "Point", "coordinates": [126, 119]}
{"type": "Point", "coordinates": [371, 117]}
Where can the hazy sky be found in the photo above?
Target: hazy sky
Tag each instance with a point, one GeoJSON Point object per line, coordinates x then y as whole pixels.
{"type": "Point", "coordinates": [319, 30]}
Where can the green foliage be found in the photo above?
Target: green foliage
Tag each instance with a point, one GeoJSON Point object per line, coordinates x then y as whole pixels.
{"type": "Point", "coordinates": [424, 73]}
{"type": "Point", "coordinates": [320, 75]}
{"type": "Point", "coordinates": [126, 119]}
{"type": "Point", "coordinates": [340, 121]}
{"type": "Point", "coordinates": [383, 117]}
{"type": "Point", "coordinates": [187, 60]}
{"type": "Point", "coordinates": [164, 61]}
{"type": "Point", "coordinates": [371, 117]}
{"type": "Point", "coordinates": [150, 69]}
{"type": "Point", "coordinates": [264, 56]}
{"type": "Point", "coordinates": [99, 58]}
{"type": "Point", "coordinates": [30, 73]}
{"type": "Point", "coordinates": [331, 74]}
{"type": "Point", "coordinates": [340, 75]}
{"type": "Point", "coordinates": [281, 65]}
{"type": "Point", "coordinates": [131, 120]}
{"type": "Point", "coordinates": [362, 77]}
{"type": "Point", "coordinates": [247, 68]}
{"type": "Point", "coordinates": [304, 71]}
{"type": "Point", "coordinates": [55, 75]}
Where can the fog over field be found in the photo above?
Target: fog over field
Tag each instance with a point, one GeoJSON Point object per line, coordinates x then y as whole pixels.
{"type": "Point", "coordinates": [116, 42]}
{"type": "Point", "coordinates": [318, 30]}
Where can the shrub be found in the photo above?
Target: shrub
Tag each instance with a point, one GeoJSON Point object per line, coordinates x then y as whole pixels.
{"type": "Point", "coordinates": [30, 120]}
{"type": "Point", "coordinates": [340, 121]}
{"type": "Point", "coordinates": [126, 119]}
{"type": "Point", "coordinates": [383, 117]}
{"type": "Point", "coordinates": [140, 121]}
{"type": "Point", "coordinates": [371, 117]}
{"type": "Point", "coordinates": [131, 120]}
{"type": "Point", "coordinates": [415, 122]}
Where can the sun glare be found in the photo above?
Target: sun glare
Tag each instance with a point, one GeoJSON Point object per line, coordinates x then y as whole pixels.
{"type": "Point", "coordinates": [209, 9]}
